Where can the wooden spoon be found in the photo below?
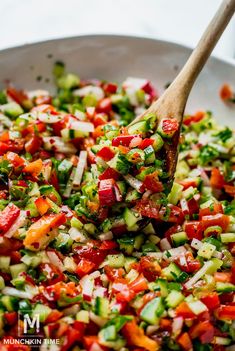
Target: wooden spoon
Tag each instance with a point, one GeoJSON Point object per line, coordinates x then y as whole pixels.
{"type": "Point", "coordinates": [172, 103]}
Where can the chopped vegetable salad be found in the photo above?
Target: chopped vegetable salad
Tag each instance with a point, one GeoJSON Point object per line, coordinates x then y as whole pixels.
{"type": "Point", "coordinates": [96, 239]}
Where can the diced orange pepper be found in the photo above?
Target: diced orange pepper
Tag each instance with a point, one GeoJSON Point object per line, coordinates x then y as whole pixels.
{"type": "Point", "coordinates": [185, 342]}
{"type": "Point", "coordinates": [34, 167]}
{"type": "Point", "coordinates": [42, 205]}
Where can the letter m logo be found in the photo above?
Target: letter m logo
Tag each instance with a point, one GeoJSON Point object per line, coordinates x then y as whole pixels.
{"type": "Point", "coordinates": [31, 322]}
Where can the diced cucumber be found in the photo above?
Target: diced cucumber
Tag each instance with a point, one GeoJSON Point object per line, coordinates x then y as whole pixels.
{"type": "Point", "coordinates": [16, 269]}
{"type": "Point", "coordinates": [76, 223]}
{"type": "Point", "coordinates": [189, 193]}
{"type": "Point", "coordinates": [129, 261]}
{"type": "Point", "coordinates": [174, 298]}
{"type": "Point", "coordinates": [132, 195]}
{"type": "Point", "coordinates": [101, 307]}
{"type": "Point", "coordinates": [225, 287]}
{"type": "Point", "coordinates": [149, 155]}
{"type": "Point", "coordinates": [152, 310]}
{"type": "Point", "coordinates": [83, 316]}
{"type": "Point", "coordinates": [32, 208]}
{"type": "Point", "coordinates": [149, 247]}
{"type": "Point", "coordinates": [126, 244]}
{"type": "Point", "coordinates": [171, 272]}
{"type": "Point", "coordinates": [5, 263]}
{"type": "Point", "coordinates": [2, 283]}
{"type": "Point", "coordinates": [158, 141]}
{"type": "Point", "coordinates": [179, 238]}
{"type": "Point", "coordinates": [32, 260]}
{"type": "Point", "coordinates": [90, 228]}
{"type": "Point", "coordinates": [130, 217]}
{"type": "Point", "coordinates": [139, 239]}
{"type": "Point", "coordinates": [116, 261]}
{"type": "Point", "coordinates": [42, 311]}
{"type": "Point", "coordinates": [120, 164]}
{"type": "Point", "coordinates": [108, 333]}
{"type": "Point", "coordinates": [49, 190]}
{"type": "Point", "coordinates": [175, 194]}
{"type": "Point", "coordinates": [182, 170]}
{"type": "Point", "coordinates": [149, 229]}
{"type": "Point", "coordinates": [227, 238]}
{"type": "Point", "coordinates": [12, 109]}
{"type": "Point", "coordinates": [63, 242]}
{"type": "Point", "coordinates": [206, 250]}
{"type": "Point", "coordinates": [122, 187]}
{"type": "Point", "coordinates": [138, 127]}
{"type": "Point", "coordinates": [136, 156]}
{"type": "Point", "coordinates": [68, 81]}
{"type": "Point", "coordinates": [197, 307]}
{"type": "Point", "coordinates": [9, 302]}
{"type": "Point", "coordinates": [161, 285]}
{"type": "Point", "coordinates": [69, 134]}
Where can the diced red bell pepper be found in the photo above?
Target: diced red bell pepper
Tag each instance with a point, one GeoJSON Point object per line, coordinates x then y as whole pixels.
{"type": "Point", "coordinates": [84, 267]}
{"type": "Point", "coordinates": [124, 140]}
{"type": "Point", "coordinates": [104, 105]}
{"type": "Point", "coordinates": [110, 88]}
{"type": "Point", "coordinates": [33, 144]}
{"type": "Point", "coordinates": [185, 342]}
{"type": "Point", "coordinates": [19, 96]}
{"type": "Point", "coordinates": [105, 153]}
{"type": "Point", "coordinates": [217, 219]}
{"type": "Point", "coordinates": [226, 92]}
{"type": "Point", "coordinates": [8, 217]}
{"type": "Point", "coordinates": [175, 214]}
{"type": "Point", "coordinates": [11, 317]}
{"type": "Point", "coordinates": [145, 143]}
{"type": "Point", "coordinates": [100, 119]}
{"type": "Point", "coordinates": [212, 210]}
{"type": "Point", "coordinates": [135, 336]}
{"type": "Point", "coordinates": [73, 335]}
{"type": "Point", "coordinates": [226, 312]}
{"type": "Point", "coordinates": [106, 192]}
{"type": "Point", "coordinates": [11, 145]}
{"type": "Point", "coordinates": [42, 205]}
{"type": "Point", "coordinates": [152, 183]}
{"type": "Point", "coordinates": [188, 182]}
{"type": "Point", "coordinates": [139, 284]}
{"type": "Point", "coordinates": [194, 118]}
{"type": "Point", "coordinates": [230, 189]}
{"type": "Point", "coordinates": [193, 230]}
{"type": "Point", "coordinates": [52, 274]}
{"type": "Point", "coordinates": [211, 300]}
{"type": "Point", "coordinates": [204, 331]}
{"type": "Point", "coordinates": [217, 179]}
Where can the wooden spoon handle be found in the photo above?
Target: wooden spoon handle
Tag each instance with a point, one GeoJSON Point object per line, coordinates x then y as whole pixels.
{"type": "Point", "coordinates": [186, 78]}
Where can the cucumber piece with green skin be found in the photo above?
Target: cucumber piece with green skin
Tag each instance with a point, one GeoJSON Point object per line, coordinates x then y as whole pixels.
{"type": "Point", "coordinates": [152, 311]}
{"type": "Point", "coordinates": [69, 134]}
{"type": "Point", "coordinates": [126, 244]}
{"type": "Point", "coordinates": [179, 238]}
{"type": "Point", "coordinates": [132, 195]}
{"type": "Point", "coordinates": [76, 223]}
{"type": "Point", "coordinates": [149, 247]}
{"type": "Point", "coordinates": [2, 283]}
{"type": "Point", "coordinates": [108, 333]}
{"type": "Point", "coordinates": [130, 217]}
{"type": "Point", "coordinates": [42, 311]}
{"type": "Point", "coordinates": [158, 141]}
{"type": "Point", "coordinates": [9, 302]}
{"type": "Point", "coordinates": [161, 285]}
{"type": "Point", "coordinates": [175, 194]}
{"type": "Point", "coordinates": [139, 240]}
{"type": "Point", "coordinates": [5, 263]}
{"type": "Point", "coordinates": [116, 261]}
{"type": "Point", "coordinates": [227, 238]}
{"type": "Point", "coordinates": [148, 170]}
{"type": "Point", "coordinates": [128, 263]}
{"type": "Point", "coordinates": [83, 316]}
{"type": "Point", "coordinates": [16, 269]}
{"type": "Point", "coordinates": [120, 164]}
{"type": "Point", "coordinates": [101, 307]}
{"type": "Point", "coordinates": [139, 127]}
{"type": "Point", "coordinates": [149, 229]}
{"type": "Point", "coordinates": [32, 208]}
{"type": "Point", "coordinates": [122, 187]}
{"type": "Point", "coordinates": [172, 272]}
{"type": "Point", "coordinates": [225, 287]}
{"type": "Point", "coordinates": [68, 81]}
{"type": "Point", "coordinates": [149, 155]}
{"type": "Point", "coordinates": [136, 156]}
{"type": "Point", "coordinates": [63, 242]}
{"type": "Point", "coordinates": [174, 298]}
{"type": "Point", "coordinates": [31, 259]}
{"type": "Point", "coordinates": [12, 109]}
{"type": "Point", "coordinates": [49, 190]}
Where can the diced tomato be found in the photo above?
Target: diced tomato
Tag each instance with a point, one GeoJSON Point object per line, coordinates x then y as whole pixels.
{"type": "Point", "coordinates": [150, 268]}
{"type": "Point", "coordinates": [100, 119]}
{"type": "Point", "coordinates": [203, 330]}
{"type": "Point", "coordinates": [226, 312]}
{"type": "Point", "coordinates": [187, 183]}
{"type": "Point", "coordinates": [212, 210]}
{"type": "Point", "coordinates": [194, 118]}
{"type": "Point", "coordinates": [73, 335]}
{"type": "Point", "coordinates": [105, 153]}
{"type": "Point", "coordinates": [193, 230]}
{"type": "Point", "coordinates": [93, 254]}
{"type": "Point", "coordinates": [123, 140]}
{"type": "Point", "coordinates": [217, 179]}
{"type": "Point", "coordinates": [8, 217]}
{"type": "Point", "coordinates": [84, 267]}
{"type": "Point", "coordinates": [226, 92]}
{"type": "Point", "coordinates": [170, 126]}
{"type": "Point", "coordinates": [14, 159]}
{"type": "Point", "coordinates": [34, 167]}
{"type": "Point", "coordinates": [145, 143]}
{"type": "Point", "coordinates": [217, 219]}
{"type": "Point", "coordinates": [139, 284]}
{"type": "Point", "coordinates": [152, 183]}
{"type": "Point", "coordinates": [233, 273]}
{"type": "Point", "coordinates": [33, 144]}
{"type": "Point", "coordinates": [34, 128]}
{"type": "Point", "coordinates": [230, 189]}
{"type": "Point", "coordinates": [190, 264]}
{"type": "Point", "coordinates": [171, 214]}
{"type": "Point", "coordinates": [148, 208]}
{"type": "Point", "coordinates": [52, 274]}
{"type": "Point", "coordinates": [19, 96]}
{"type": "Point", "coordinates": [108, 245]}
{"type": "Point", "coordinates": [104, 105]}
{"type": "Point", "coordinates": [182, 310]}
{"type": "Point", "coordinates": [106, 192]}
{"type": "Point", "coordinates": [98, 132]}
{"type": "Point", "coordinates": [11, 317]}
{"type": "Point", "coordinates": [15, 257]}
{"type": "Point", "coordinates": [42, 205]}
{"type": "Point", "coordinates": [113, 273]}
{"type": "Point", "coordinates": [224, 277]}
{"type": "Point", "coordinates": [11, 145]}
{"type": "Point", "coordinates": [53, 316]}
{"type": "Point", "coordinates": [211, 300]}
{"type": "Point", "coordinates": [110, 88]}
{"type": "Point", "coordinates": [135, 336]}
{"type": "Point", "coordinates": [185, 342]}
